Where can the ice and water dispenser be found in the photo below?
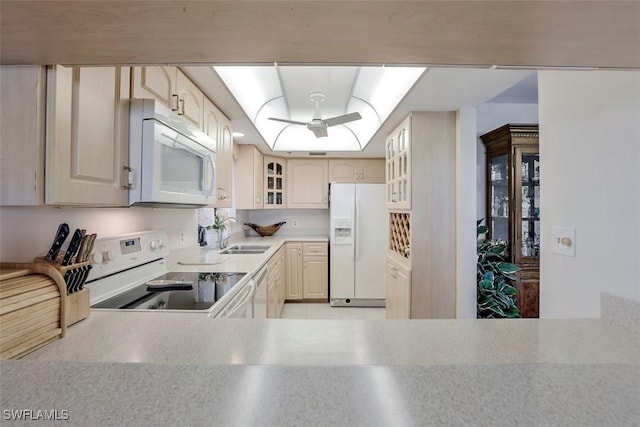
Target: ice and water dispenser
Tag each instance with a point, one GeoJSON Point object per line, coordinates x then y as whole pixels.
{"type": "Point", "coordinates": [342, 231]}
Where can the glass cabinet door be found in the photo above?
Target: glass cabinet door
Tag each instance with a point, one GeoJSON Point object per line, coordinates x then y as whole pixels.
{"type": "Point", "coordinates": [499, 197]}
{"type": "Point", "coordinates": [274, 184]}
{"type": "Point", "coordinates": [529, 184]}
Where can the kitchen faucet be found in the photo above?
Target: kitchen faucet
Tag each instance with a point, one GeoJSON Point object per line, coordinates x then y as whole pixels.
{"type": "Point", "coordinates": [222, 243]}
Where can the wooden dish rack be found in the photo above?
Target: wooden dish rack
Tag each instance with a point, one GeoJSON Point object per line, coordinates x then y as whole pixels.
{"type": "Point", "coordinates": [35, 303]}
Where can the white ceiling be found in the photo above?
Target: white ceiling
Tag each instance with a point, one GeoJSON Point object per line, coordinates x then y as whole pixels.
{"type": "Point", "coordinates": [439, 89]}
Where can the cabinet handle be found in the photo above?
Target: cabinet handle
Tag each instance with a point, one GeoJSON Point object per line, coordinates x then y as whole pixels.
{"type": "Point", "coordinates": [174, 102]}
{"type": "Point", "coordinates": [181, 108]}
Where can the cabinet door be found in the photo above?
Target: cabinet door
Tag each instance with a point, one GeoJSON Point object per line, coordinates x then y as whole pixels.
{"type": "Point", "coordinates": [156, 82]}
{"type": "Point", "coordinates": [248, 176]}
{"type": "Point", "coordinates": [22, 119]}
{"type": "Point", "coordinates": [398, 293]}
{"type": "Point", "coordinates": [282, 280]}
{"type": "Point", "coordinates": [274, 183]}
{"type": "Point", "coordinates": [87, 135]}
{"type": "Point", "coordinates": [272, 295]}
{"type": "Point", "coordinates": [191, 100]}
{"type": "Point", "coordinates": [315, 282]}
{"type": "Point", "coordinates": [371, 170]}
{"type": "Point", "coordinates": [294, 269]}
{"type": "Point", "coordinates": [258, 179]}
{"type": "Point", "coordinates": [398, 166]}
{"type": "Point", "coordinates": [307, 184]}
{"type": "Point", "coordinates": [342, 170]}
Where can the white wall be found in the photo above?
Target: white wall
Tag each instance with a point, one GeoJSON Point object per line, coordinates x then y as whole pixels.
{"type": "Point", "coordinates": [466, 194]}
{"type": "Point", "coordinates": [590, 180]}
{"type": "Point", "coordinates": [27, 232]}
{"type": "Point", "coordinates": [491, 116]}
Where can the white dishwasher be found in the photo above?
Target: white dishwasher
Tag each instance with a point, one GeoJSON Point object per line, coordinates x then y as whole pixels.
{"type": "Point", "coordinates": [241, 306]}
{"type": "Point", "coordinates": [260, 294]}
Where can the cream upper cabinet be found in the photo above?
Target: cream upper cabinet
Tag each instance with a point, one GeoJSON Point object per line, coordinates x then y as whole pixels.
{"type": "Point", "coordinates": [155, 82]}
{"type": "Point", "coordinates": [307, 184]}
{"type": "Point", "coordinates": [249, 177]}
{"type": "Point", "coordinates": [294, 266]}
{"type": "Point", "coordinates": [342, 170]}
{"type": "Point", "coordinates": [22, 130]}
{"type": "Point", "coordinates": [275, 171]}
{"type": "Point", "coordinates": [398, 293]}
{"type": "Point", "coordinates": [172, 88]}
{"type": "Point", "coordinates": [218, 127]}
{"type": "Point", "coordinates": [398, 166]}
{"type": "Point", "coordinates": [371, 170]}
{"type": "Point", "coordinates": [190, 100]}
{"type": "Point", "coordinates": [87, 135]}
{"type": "Point", "coordinates": [357, 170]}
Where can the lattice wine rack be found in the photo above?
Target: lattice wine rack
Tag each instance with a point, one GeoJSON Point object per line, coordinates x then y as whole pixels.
{"type": "Point", "coordinates": [400, 233]}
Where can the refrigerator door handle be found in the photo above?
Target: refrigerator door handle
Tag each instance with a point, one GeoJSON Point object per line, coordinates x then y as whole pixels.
{"type": "Point", "coordinates": [353, 229]}
{"type": "Point", "coordinates": [357, 228]}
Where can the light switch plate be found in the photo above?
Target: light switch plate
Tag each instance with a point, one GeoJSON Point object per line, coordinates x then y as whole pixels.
{"type": "Point", "coordinates": [564, 241]}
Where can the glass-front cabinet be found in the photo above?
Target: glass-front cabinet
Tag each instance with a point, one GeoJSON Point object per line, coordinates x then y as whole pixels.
{"type": "Point", "coordinates": [274, 183]}
{"type": "Point", "coordinates": [513, 204]}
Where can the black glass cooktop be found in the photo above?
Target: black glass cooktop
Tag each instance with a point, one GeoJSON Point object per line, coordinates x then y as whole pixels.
{"type": "Point", "coordinates": [175, 291]}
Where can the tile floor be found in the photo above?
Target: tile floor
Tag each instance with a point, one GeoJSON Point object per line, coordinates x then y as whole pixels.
{"type": "Point", "coordinates": [325, 311]}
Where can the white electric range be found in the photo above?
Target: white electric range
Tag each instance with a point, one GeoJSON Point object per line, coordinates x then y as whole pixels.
{"type": "Point", "coordinates": [130, 273]}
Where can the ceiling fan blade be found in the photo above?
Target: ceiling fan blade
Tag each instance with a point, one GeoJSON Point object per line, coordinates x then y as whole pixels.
{"type": "Point", "coordinates": [319, 131]}
{"type": "Point", "coordinates": [342, 119]}
{"type": "Point", "coordinates": [287, 121]}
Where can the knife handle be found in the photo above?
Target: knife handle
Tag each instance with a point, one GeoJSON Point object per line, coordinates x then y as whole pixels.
{"type": "Point", "coordinates": [84, 245]}
{"type": "Point", "coordinates": [58, 240]}
{"type": "Point", "coordinates": [73, 247]}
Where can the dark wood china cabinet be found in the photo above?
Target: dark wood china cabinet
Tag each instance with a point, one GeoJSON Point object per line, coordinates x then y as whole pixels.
{"type": "Point", "coordinates": [513, 204]}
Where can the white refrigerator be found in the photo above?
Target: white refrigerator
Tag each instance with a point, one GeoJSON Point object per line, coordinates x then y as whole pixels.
{"type": "Point", "coordinates": [358, 244]}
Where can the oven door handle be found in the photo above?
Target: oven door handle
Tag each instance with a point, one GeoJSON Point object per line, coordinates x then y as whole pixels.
{"type": "Point", "coordinates": [238, 306]}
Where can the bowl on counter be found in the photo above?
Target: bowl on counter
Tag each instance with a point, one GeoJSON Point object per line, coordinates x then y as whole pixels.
{"type": "Point", "coordinates": [265, 230]}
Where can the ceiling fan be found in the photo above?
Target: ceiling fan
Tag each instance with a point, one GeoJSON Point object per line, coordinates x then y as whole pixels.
{"type": "Point", "coordinates": [317, 125]}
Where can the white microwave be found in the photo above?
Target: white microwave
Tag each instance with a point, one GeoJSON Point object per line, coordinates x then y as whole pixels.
{"type": "Point", "coordinates": [172, 163]}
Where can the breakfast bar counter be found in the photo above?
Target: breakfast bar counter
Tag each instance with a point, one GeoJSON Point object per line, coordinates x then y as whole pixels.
{"type": "Point", "coordinates": [183, 368]}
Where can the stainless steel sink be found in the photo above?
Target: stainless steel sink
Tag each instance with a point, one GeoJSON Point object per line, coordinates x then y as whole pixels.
{"type": "Point", "coordinates": [250, 247]}
{"type": "Point", "coordinates": [245, 249]}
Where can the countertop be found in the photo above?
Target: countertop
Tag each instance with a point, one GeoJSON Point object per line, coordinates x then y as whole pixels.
{"type": "Point", "coordinates": [175, 368]}
{"type": "Point", "coordinates": [161, 369]}
{"type": "Point", "coordinates": [195, 258]}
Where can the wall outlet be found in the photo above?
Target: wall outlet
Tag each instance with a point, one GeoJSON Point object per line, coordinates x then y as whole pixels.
{"type": "Point", "coordinates": [294, 223]}
{"type": "Point", "coordinates": [181, 239]}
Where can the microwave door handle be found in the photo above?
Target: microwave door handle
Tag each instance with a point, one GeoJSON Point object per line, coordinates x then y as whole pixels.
{"type": "Point", "coordinates": [212, 179]}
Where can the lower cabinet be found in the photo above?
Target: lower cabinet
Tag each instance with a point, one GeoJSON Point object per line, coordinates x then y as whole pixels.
{"type": "Point", "coordinates": [398, 303]}
{"type": "Point", "coordinates": [276, 284]}
{"type": "Point", "coordinates": [307, 271]}
{"type": "Point", "coordinates": [314, 281]}
{"type": "Point", "coordinates": [293, 255]}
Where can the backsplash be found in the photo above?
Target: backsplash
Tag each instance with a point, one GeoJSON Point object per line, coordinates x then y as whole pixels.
{"type": "Point", "coordinates": [27, 232]}
{"type": "Point", "coordinates": [298, 221]}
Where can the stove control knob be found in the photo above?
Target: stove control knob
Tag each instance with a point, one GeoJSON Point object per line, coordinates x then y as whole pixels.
{"type": "Point", "coordinates": [109, 255]}
{"type": "Point", "coordinates": [157, 244]}
{"type": "Point", "coordinates": [96, 258]}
